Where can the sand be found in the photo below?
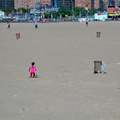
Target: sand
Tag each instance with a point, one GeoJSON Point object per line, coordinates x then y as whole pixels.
{"type": "Point", "coordinates": [66, 87]}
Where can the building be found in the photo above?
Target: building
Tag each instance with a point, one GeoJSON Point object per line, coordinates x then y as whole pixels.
{"type": "Point", "coordinates": [69, 4]}
{"type": "Point", "coordinates": [30, 3]}
{"type": "Point", "coordinates": [38, 3]}
{"type": "Point", "coordinates": [21, 4]}
{"type": "Point", "coordinates": [117, 3]}
{"type": "Point", "coordinates": [110, 2]}
{"type": "Point", "coordinates": [83, 3]}
{"type": "Point", "coordinates": [96, 4]}
{"type": "Point", "coordinates": [2, 13]}
{"type": "Point", "coordinates": [87, 3]}
{"type": "Point", "coordinates": [90, 4]}
{"type": "Point", "coordinates": [4, 4]}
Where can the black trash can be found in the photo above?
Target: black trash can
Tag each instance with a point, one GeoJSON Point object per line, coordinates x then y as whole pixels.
{"type": "Point", "coordinates": [97, 66]}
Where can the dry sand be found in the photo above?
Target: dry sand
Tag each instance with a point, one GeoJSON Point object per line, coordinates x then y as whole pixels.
{"type": "Point", "coordinates": [66, 88]}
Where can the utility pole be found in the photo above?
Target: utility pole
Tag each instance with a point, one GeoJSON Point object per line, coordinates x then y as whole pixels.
{"type": "Point", "coordinates": [79, 5]}
{"type": "Point", "coordinates": [72, 9]}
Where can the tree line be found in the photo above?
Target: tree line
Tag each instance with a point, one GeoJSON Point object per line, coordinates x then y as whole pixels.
{"type": "Point", "coordinates": [77, 11]}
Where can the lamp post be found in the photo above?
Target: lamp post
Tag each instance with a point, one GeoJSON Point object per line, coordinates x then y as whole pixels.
{"type": "Point", "coordinates": [86, 8]}
{"type": "Point", "coordinates": [79, 5]}
{"type": "Point", "coordinates": [27, 11]}
{"type": "Point", "coordinates": [72, 10]}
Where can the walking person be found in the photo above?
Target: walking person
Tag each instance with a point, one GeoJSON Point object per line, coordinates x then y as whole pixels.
{"type": "Point", "coordinates": [36, 25]}
{"type": "Point", "coordinates": [8, 27]}
{"type": "Point", "coordinates": [86, 22]}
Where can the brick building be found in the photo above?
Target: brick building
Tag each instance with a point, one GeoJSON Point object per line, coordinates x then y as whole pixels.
{"type": "Point", "coordinates": [83, 3]}
{"type": "Point", "coordinates": [29, 3]}
{"type": "Point", "coordinates": [89, 3]}
{"type": "Point", "coordinates": [21, 4]}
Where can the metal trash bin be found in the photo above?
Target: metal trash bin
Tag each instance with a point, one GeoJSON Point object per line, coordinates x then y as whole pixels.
{"type": "Point", "coordinates": [97, 66]}
{"type": "Point", "coordinates": [17, 35]}
{"type": "Point", "coordinates": [98, 34]}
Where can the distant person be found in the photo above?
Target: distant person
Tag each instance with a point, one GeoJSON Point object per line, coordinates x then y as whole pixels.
{"type": "Point", "coordinates": [8, 27]}
{"type": "Point", "coordinates": [32, 70]}
{"type": "Point", "coordinates": [86, 22]}
{"type": "Point", "coordinates": [36, 25]}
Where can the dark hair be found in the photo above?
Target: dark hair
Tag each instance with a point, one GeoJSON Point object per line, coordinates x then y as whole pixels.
{"type": "Point", "coordinates": [32, 63]}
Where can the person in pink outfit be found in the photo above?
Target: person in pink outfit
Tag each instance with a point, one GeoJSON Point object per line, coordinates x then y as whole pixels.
{"type": "Point", "coordinates": [32, 70]}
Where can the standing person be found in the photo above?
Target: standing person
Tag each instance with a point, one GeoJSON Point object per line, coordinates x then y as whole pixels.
{"type": "Point", "coordinates": [86, 22]}
{"type": "Point", "coordinates": [36, 25]}
{"type": "Point", "coordinates": [32, 70]}
{"type": "Point", "coordinates": [8, 25]}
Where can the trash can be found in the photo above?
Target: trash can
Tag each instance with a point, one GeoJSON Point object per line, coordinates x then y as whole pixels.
{"type": "Point", "coordinates": [17, 35]}
{"type": "Point", "coordinates": [98, 34]}
{"type": "Point", "coordinates": [97, 66]}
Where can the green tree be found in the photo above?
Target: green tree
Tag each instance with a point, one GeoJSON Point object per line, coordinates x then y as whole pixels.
{"type": "Point", "coordinates": [24, 10]}
{"type": "Point", "coordinates": [63, 11]}
{"type": "Point", "coordinates": [47, 15]}
{"type": "Point", "coordinates": [80, 11]}
{"type": "Point", "coordinates": [7, 9]}
{"type": "Point", "coordinates": [93, 11]}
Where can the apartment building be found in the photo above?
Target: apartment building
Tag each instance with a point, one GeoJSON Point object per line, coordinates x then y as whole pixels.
{"type": "Point", "coordinates": [30, 3]}
{"type": "Point", "coordinates": [6, 4]}
{"type": "Point", "coordinates": [117, 3]}
{"type": "Point", "coordinates": [83, 3]}
{"type": "Point", "coordinates": [89, 3]}
{"type": "Point", "coordinates": [69, 4]}
{"type": "Point", "coordinates": [21, 4]}
{"type": "Point", "coordinates": [59, 3]}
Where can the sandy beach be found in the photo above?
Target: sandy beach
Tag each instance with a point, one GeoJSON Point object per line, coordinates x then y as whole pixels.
{"type": "Point", "coordinates": [66, 87]}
